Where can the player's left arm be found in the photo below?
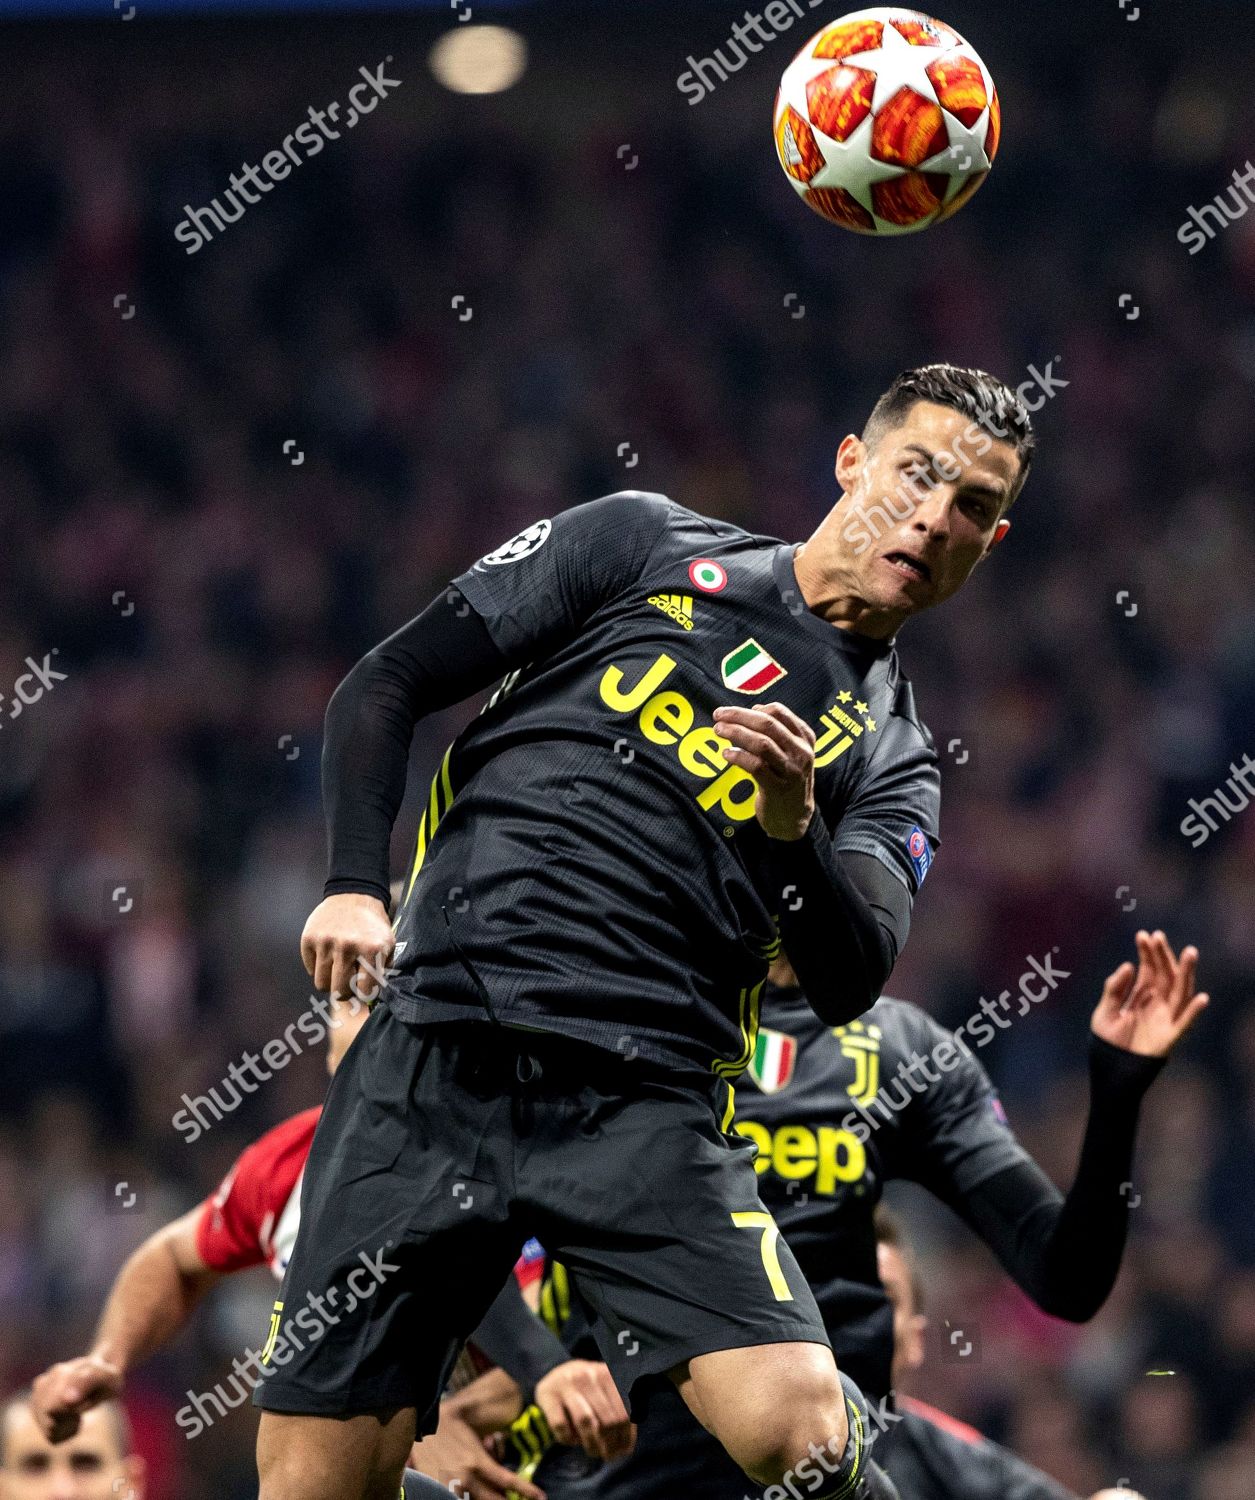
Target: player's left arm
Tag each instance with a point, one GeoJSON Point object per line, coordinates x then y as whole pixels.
{"type": "Point", "coordinates": [844, 901]}
{"type": "Point", "coordinates": [519, 604]}
{"type": "Point", "coordinates": [1065, 1251]}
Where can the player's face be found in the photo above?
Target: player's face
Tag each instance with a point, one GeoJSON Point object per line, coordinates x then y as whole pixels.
{"type": "Point", "coordinates": [87, 1466]}
{"type": "Point", "coordinates": [922, 507]}
{"type": "Point", "coordinates": [908, 1323]}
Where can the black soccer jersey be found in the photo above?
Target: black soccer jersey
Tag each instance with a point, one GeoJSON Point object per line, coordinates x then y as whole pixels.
{"type": "Point", "coordinates": [588, 862]}
{"type": "Point", "coordinates": [930, 1456]}
{"type": "Point", "coordinates": [835, 1114]}
{"type": "Point", "coordinates": [838, 1112]}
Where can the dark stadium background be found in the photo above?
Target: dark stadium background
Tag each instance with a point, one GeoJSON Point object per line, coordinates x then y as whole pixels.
{"type": "Point", "coordinates": [204, 593]}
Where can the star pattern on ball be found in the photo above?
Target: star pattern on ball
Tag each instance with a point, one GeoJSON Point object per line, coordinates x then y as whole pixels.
{"type": "Point", "coordinates": [965, 154]}
{"type": "Point", "coordinates": [899, 64]}
{"type": "Point", "coordinates": [851, 159]}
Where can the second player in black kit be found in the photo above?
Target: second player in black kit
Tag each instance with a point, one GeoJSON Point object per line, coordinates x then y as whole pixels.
{"type": "Point", "coordinates": [835, 1113]}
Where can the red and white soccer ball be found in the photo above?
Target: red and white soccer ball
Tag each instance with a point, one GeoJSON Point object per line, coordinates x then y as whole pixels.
{"type": "Point", "coordinates": [887, 121]}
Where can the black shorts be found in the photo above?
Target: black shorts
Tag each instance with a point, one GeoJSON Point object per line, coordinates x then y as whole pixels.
{"type": "Point", "coordinates": [442, 1149]}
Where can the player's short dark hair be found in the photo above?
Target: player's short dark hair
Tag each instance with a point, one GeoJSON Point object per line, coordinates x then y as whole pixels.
{"type": "Point", "coordinates": [889, 1232]}
{"type": "Point", "coordinates": [114, 1410]}
{"type": "Point", "coordinates": [988, 401]}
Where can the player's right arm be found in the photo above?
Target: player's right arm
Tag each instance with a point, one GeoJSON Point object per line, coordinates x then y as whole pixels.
{"type": "Point", "coordinates": [150, 1301]}
{"type": "Point", "coordinates": [516, 605]}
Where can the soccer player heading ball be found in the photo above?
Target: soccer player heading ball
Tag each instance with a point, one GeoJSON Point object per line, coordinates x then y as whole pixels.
{"type": "Point", "coordinates": [702, 746]}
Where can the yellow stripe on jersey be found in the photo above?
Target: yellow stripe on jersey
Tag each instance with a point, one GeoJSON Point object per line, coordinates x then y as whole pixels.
{"type": "Point", "coordinates": [748, 1020]}
{"type": "Point", "coordinates": [442, 782]}
{"type": "Point", "coordinates": [430, 821]}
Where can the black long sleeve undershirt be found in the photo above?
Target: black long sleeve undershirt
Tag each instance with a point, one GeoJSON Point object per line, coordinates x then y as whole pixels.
{"type": "Point", "coordinates": [843, 921]}
{"type": "Point", "coordinates": [512, 1336]}
{"type": "Point", "coordinates": [1065, 1253]}
{"type": "Point", "coordinates": [442, 656]}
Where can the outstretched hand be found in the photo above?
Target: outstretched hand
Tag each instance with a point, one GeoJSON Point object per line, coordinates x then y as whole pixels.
{"type": "Point", "coordinates": [1149, 1009]}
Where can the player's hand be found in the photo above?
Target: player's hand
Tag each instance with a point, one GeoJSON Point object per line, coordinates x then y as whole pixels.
{"type": "Point", "coordinates": [455, 1456]}
{"type": "Point", "coordinates": [582, 1405]}
{"type": "Point", "coordinates": [778, 749]}
{"type": "Point", "coordinates": [344, 938]}
{"type": "Point", "coordinates": [1149, 1010]}
{"type": "Point", "coordinates": [64, 1392]}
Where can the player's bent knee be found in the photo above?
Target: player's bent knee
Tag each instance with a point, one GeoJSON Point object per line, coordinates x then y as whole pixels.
{"type": "Point", "coordinates": [798, 1430]}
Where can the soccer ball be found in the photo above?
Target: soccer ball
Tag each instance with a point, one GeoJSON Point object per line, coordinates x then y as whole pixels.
{"type": "Point", "coordinates": [887, 121]}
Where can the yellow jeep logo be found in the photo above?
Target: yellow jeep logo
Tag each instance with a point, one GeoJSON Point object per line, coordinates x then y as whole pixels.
{"type": "Point", "coordinates": [794, 1151]}
{"type": "Point", "coordinates": [667, 718]}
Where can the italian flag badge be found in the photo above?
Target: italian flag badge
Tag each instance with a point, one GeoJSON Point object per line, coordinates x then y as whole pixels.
{"type": "Point", "coordinates": [774, 1056]}
{"type": "Point", "coordinates": [750, 669]}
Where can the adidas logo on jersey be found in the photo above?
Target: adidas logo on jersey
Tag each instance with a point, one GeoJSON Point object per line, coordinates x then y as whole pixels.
{"type": "Point", "coordinates": [677, 607]}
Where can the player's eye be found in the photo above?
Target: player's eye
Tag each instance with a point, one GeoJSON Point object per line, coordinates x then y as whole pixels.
{"type": "Point", "coordinates": [86, 1463]}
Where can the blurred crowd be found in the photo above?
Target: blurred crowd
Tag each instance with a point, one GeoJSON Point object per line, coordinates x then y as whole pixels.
{"type": "Point", "coordinates": [224, 476]}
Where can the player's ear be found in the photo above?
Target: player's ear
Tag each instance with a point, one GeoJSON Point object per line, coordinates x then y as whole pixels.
{"type": "Point", "coordinates": [1000, 530]}
{"type": "Point", "coordinates": [851, 456]}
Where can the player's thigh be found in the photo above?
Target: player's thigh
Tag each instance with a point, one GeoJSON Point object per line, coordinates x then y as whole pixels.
{"type": "Point", "coordinates": [657, 1218]}
{"type": "Point", "coordinates": [321, 1458]}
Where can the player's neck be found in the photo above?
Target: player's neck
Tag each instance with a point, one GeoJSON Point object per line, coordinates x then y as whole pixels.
{"type": "Point", "coordinates": [831, 592]}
